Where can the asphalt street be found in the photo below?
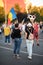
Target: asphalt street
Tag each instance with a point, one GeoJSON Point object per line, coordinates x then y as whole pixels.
{"type": "Point", "coordinates": [7, 56]}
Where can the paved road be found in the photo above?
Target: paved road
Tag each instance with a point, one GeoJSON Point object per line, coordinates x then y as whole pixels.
{"type": "Point", "coordinates": [7, 58]}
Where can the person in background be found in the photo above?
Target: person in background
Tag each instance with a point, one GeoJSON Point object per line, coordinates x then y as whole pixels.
{"type": "Point", "coordinates": [14, 21]}
{"type": "Point", "coordinates": [7, 32]}
{"type": "Point", "coordinates": [41, 26]}
{"type": "Point", "coordinates": [20, 26]}
{"type": "Point", "coordinates": [3, 25]}
{"type": "Point", "coordinates": [36, 30]}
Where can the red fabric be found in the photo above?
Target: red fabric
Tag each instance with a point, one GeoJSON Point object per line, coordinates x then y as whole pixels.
{"type": "Point", "coordinates": [36, 27]}
{"type": "Point", "coordinates": [9, 22]}
{"type": "Point", "coordinates": [35, 30]}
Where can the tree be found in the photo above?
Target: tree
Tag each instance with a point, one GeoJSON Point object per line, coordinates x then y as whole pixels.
{"type": "Point", "coordinates": [37, 16]}
{"type": "Point", "coordinates": [17, 8]}
{"type": "Point", "coordinates": [41, 18]}
{"type": "Point", "coordinates": [41, 11]}
{"type": "Point", "coordinates": [34, 8]}
{"type": "Point", "coordinates": [2, 15]}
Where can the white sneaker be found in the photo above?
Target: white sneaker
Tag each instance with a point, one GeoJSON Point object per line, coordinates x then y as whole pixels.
{"type": "Point", "coordinates": [30, 57]}
{"type": "Point", "coordinates": [18, 57]}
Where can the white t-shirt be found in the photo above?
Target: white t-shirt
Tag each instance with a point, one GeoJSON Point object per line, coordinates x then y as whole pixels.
{"type": "Point", "coordinates": [23, 27]}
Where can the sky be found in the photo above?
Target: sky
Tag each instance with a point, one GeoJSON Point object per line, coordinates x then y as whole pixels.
{"type": "Point", "coordinates": [1, 3]}
{"type": "Point", "coordinates": [37, 2]}
{"type": "Point", "coordinates": [10, 3]}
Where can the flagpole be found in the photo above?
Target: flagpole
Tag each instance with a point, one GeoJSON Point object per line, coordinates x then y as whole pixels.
{"type": "Point", "coordinates": [5, 13]}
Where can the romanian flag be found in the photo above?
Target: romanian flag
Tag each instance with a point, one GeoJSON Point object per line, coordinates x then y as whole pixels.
{"type": "Point", "coordinates": [11, 16]}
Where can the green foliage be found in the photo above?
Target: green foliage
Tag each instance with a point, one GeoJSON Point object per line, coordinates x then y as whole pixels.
{"type": "Point", "coordinates": [17, 8]}
{"type": "Point", "coordinates": [41, 11]}
{"type": "Point", "coordinates": [2, 15]}
{"type": "Point", "coordinates": [41, 18]}
{"type": "Point", "coordinates": [38, 17]}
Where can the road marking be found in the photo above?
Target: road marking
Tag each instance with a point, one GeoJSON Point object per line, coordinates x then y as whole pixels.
{"type": "Point", "coordinates": [20, 51]}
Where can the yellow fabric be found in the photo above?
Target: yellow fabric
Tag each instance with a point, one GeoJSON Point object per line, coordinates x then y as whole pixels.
{"type": "Point", "coordinates": [6, 31]}
{"type": "Point", "coordinates": [10, 16]}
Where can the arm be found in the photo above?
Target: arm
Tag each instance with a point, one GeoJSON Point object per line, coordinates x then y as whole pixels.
{"type": "Point", "coordinates": [25, 35]}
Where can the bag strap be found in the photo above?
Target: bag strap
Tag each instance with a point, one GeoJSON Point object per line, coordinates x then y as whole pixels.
{"type": "Point", "coordinates": [28, 30]}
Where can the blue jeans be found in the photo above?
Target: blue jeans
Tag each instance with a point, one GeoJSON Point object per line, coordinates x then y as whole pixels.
{"type": "Point", "coordinates": [17, 44]}
{"type": "Point", "coordinates": [7, 39]}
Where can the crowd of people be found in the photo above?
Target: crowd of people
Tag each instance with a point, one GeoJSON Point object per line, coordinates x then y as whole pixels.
{"type": "Point", "coordinates": [16, 30]}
